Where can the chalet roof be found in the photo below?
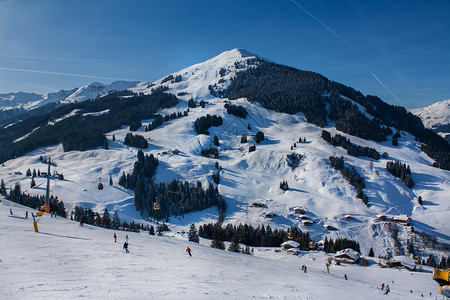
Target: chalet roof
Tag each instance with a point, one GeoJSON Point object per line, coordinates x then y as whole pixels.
{"type": "Point", "coordinates": [293, 244]}
{"type": "Point", "coordinates": [406, 261]}
{"type": "Point", "coordinates": [404, 218]}
{"type": "Point", "coordinates": [348, 253]}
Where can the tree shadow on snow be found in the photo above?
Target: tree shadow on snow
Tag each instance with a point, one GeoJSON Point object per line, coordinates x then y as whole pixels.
{"type": "Point", "coordinates": [65, 236]}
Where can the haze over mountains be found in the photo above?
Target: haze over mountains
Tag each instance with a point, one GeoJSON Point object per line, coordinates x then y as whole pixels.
{"type": "Point", "coordinates": [290, 107]}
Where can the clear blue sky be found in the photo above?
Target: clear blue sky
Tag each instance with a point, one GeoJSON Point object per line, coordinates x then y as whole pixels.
{"type": "Point", "coordinates": [397, 50]}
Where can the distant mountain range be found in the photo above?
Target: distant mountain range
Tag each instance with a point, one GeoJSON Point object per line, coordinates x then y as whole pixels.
{"type": "Point", "coordinates": [436, 117]}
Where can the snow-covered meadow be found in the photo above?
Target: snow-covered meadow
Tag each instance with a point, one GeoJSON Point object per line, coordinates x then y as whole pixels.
{"type": "Point", "coordinates": [66, 261]}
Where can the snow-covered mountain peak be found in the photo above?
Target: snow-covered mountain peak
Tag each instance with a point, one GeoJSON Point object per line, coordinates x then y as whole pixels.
{"type": "Point", "coordinates": [434, 115]}
{"type": "Point", "coordinates": [96, 89]}
{"type": "Point", "coordinates": [195, 81]}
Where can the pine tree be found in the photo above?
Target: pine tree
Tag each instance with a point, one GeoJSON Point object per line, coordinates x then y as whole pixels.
{"type": "Point", "coordinates": [284, 185]}
{"type": "Point", "coordinates": [259, 137]}
{"type": "Point", "coordinates": [234, 246]}
{"type": "Point", "coordinates": [431, 262]}
{"type": "Point", "coordinates": [216, 141]}
{"type": "Point", "coordinates": [420, 200]}
{"type": "Point", "coordinates": [371, 253]}
{"type": "Point", "coordinates": [2, 188]}
{"type": "Point", "coordinates": [243, 139]}
{"type": "Point", "coordinates": [34, 173]}
{"type": "Point", "coordinates": [28, 174]}
{"type": "Point", "coordinates": [192, 235]}
{"type": "Point", "coordinates": [217, 242]}
{"type": "Point", "coordinates": [106, 221]}
{"type": "Point", "coordinates": [151, 231]}
{"type": "Point", "coordinates": [33, 183]}
{"type": "Point", "coordinates": [110, 180]}
{"type": "Point", "coordinates": [115, 221]}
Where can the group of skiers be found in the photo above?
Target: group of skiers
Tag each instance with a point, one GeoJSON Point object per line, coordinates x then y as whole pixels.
{"type": "Point", "coordinates": [386, 288]}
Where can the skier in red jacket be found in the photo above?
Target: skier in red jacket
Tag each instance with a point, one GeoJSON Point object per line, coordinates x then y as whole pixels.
{"type": "Point", "coordinates": [115, 237]}
{"type": "Point", "coordinates": [188, 250]}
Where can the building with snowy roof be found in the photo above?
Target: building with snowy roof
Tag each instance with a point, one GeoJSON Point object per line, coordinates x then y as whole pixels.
{"type": "Point", "coordinates": [290, 244]}
{"type": "Point", "coordinates": [402, 261]}
{"type": "Point", "coordinates": [401, 219]}
{"type": "Point", "coordinates": [348, 256]}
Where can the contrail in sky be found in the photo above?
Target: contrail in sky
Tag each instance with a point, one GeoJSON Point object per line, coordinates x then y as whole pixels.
{"type": "Point", "coordinates": [326, 27]}
{"type": "Point", "coordinates": [58, 73]}
{"type": "Point", "coordinates": [389, 91]}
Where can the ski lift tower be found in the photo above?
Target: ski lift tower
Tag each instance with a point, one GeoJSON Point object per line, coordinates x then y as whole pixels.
{"type": "Point", "coordinates": [47, 191]}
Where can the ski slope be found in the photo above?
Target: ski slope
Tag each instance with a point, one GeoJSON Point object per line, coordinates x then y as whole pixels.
{"type": "Point", "coordinates": [253, 177]}
{"type": "Point", "coordinates": [67, 261]}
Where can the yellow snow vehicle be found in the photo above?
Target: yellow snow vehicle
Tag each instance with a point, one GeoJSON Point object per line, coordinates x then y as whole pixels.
{"type": "Point", "coordinates": [442, 277]}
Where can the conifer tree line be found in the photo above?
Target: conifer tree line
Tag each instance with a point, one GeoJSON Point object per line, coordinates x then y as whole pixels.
{"type": "Point", "coordinates": [210, 152]}
{"type": "Point", "coordinates": [144, 168]}
{"type": "Point", "coordinates": [136, 141]}
{"type": "Point", "coordinates": [236, 110]}
{"type": "Point", "coordinates": [81, 131]}
{"type": "Point", "coordinates": [401, 171]}
{"type": "Point", "coordinates": [261, 236]}
{"type": "Point", "coordinates": [431, 261]}
{"type": "Point", "coordinates": [56, 206]}
{"type": "Point", "coordinates": [177, 198]}
{"type": "Point", "coordinates": [173, 198]}
{"type": "Point", "coordinates": [352, 149]}
{"type": "Point", "coordinates": [330, 246]}
{"type": "Point", "coordinates": [159, 120]}
{"type": "Point", "coordinates": [286, 89]}
{"type": "Point", "coordinates": [202, 124]}
{"type": "Point", "coordinates": [352, 177]}
{"type": "Point", "coordinates": [135, 126]}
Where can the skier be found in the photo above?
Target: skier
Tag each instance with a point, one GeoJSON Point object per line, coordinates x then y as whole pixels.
{"type": "Point", "coordinates": [382, 286]}
{"type": "Point", "coordinates": [10, 212]}
{"type": "Point", "coordinates": [125, 247]}
{"type": "Point", "coordinates": [387, 290]}
{"type": "Point", "coordinates": [345, 276]}
{"type": "Point", "coordinates": [26, 215]}
{"type": "Point", "coordinates": [305, 270]}
{"type": "Point", "coordinates": [188, 250]}
{"type": "Point", "coordinates": [115, 237]}
{"type": "Point", "coordinates": [126, 238]}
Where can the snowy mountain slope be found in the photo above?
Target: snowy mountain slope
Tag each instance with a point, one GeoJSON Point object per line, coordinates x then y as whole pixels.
{"type": "Point", "coordinates": [29, 101]}
{"type": "Point", "coordinates": [254, 177]}
{"type": "Point", "coordinates": [65, 260]}
{"type": "Point", "coordinates": [217, 71]}
{"type": "Point", "coordinates": [436, 117]}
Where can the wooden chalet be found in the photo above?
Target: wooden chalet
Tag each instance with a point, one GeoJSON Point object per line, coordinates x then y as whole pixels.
{"type": "Point", "coordinates": [402, 261]}
{"type": "Point", "coordinates": [289, 245]}
{"type": "Point", "coordinates": [299, 210]}
{"type": "Point", "coordinates": [402, 219]}
{"type": "Point", "coordinates": [347, 256]}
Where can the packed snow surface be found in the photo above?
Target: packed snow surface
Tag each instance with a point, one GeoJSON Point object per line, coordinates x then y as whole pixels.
{"type": "Point", "coordinates": [66, 261]}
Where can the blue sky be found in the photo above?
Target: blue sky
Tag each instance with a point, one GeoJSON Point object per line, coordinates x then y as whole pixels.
{"type": "Point", "coordinates": [397, 50]}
